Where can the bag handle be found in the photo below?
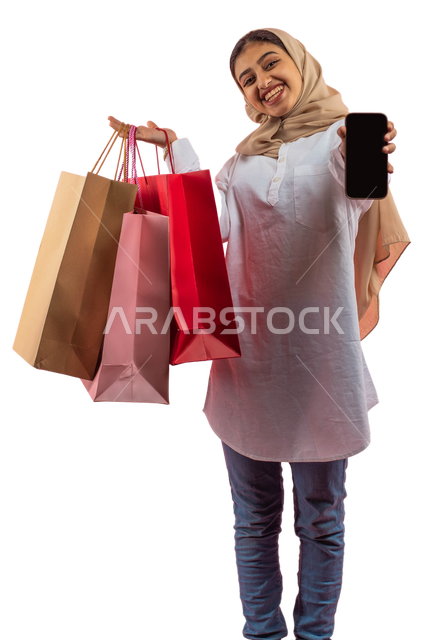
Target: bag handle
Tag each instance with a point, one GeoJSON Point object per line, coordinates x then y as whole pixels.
{"type": "Point", "coordinates": [119, 155]}
{"type": "Point", "coordinates": [129, 164]}
{"type": "Point", "coordinates": [128, 147]}
{"type": "Point", "coordinates": [109, 142]}
{"type": "Point", "coordinates": [124, 146]}
{"type": "Point", "coordinates": [137, 154]}
{"type": "Point", "coordinates": [114, 136]}
{"type": "Point", "coordinates": [123, 149]}
{"type": "Point", "coordinates": [125, 143]}
{"type": "Point", "coordinates": [157, 155]}
{"type": "Point", "coordinates": [141, 162]}
{"type": "Point", "coordinates": [169, 149]}
{"type": "Point", "coordinates": [134, 164]}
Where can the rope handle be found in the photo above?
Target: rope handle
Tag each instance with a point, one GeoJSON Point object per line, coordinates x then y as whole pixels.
{"type": "Point", "coordinates": [134, 164]}
{"type": "Point", "coordinates": [125, 162]}
{"type": "Point", "coordinates": [169, 148]}
{"type": "Point", "coordinates": [126, 152]}
{"type": "Point", "coordinates": [140, 163]}
{"type": "Point", "coordinates": [119, 155]}
{"type": "Point", "coordinates": [128, 147]}
{"type": "Point", "coordinates": [125, 147]}
{"type": "Point", "coordinates": [114, 136]}
{"type": "Point", "coordinates": [110, 141]}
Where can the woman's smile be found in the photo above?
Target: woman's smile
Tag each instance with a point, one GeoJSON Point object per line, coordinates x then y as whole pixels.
{"type": "Point", "coordinates": [274, 95]}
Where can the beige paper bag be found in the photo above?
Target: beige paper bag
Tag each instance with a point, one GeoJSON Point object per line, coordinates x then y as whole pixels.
{"type": "Point", "coordinates": [65, 310]}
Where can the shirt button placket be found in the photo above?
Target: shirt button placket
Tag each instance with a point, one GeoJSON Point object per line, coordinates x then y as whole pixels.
{"type": "Point", "coordinates": [273, 196]}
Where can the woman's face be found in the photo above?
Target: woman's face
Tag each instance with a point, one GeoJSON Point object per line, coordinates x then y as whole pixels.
{"type": "Point", "coordinates": [262, 67]}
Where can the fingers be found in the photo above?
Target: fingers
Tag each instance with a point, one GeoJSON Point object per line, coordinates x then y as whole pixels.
{"type": "Point", "coordinates": [390, 168]}
{"type": "Point", "coordinates": [390, 135]}
{"type": "Point", "coordinates": [390, 148]}
{"type": "Point", "coordinates": [116, 125]}
{"type": "Point", "coordinates": [151, 125]}
{"type": "Point", "coordinates": [392, 132]}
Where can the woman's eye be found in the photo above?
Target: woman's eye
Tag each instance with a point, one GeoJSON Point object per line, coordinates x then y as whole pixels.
{"type": "Point", "coordinates": [273, 62]}
{"type": "Point", "coordinates": [250, 79]}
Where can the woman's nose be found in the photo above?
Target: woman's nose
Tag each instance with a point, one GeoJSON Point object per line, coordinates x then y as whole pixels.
{"type": "Point", "coordinates": [264, 81]}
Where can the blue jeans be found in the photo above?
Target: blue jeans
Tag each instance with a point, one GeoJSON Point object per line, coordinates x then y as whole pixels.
{"type": "Point", "coordinates": [257, 492]}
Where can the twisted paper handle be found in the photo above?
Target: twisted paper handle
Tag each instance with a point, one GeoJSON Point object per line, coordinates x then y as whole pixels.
{"type": "Point", "coordinates": [113, 137]}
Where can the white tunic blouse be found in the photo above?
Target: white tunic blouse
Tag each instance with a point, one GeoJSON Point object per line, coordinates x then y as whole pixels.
{"type": "Point", "coordinates": [301, 390]}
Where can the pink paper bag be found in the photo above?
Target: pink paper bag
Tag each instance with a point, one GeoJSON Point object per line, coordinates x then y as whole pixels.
{"type": "Point", "coordinates": [134, 363]}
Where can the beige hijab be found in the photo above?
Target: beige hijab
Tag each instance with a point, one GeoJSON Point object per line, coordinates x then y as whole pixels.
{"type": "Point", "coordinates": [381, 237]}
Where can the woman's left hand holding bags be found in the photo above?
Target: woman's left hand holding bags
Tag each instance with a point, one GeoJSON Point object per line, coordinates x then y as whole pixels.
{"type": "Point", "coordinates": [150, 133]}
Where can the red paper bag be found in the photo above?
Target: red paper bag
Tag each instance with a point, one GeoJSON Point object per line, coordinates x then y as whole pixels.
{"type": "Point", "coordinates": [199, 281]}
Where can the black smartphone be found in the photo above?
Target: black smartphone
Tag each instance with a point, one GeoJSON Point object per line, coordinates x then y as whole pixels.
{"type": "Point", "coordinates": [365, 163]}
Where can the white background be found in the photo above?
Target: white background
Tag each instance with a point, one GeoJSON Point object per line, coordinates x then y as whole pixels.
{"type": "Point", "coordinates": [116, 520]}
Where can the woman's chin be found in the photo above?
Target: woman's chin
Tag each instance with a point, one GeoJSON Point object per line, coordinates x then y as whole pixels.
{"type": "Point", "coordinates": [278, 113]}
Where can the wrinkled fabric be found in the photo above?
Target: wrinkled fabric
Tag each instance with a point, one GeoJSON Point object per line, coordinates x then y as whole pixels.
{"type": "Point", "coordinates": [382, 236]}
{"type": "Point", "coordinates": [304, 394]}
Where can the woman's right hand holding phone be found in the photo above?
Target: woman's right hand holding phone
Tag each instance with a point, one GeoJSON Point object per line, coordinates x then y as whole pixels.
{"type": "Point", "coordinates": [146, 134]}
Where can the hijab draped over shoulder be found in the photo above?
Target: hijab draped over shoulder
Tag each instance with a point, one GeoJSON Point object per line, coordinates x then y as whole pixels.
{"type": "Point", "coordinates": [381, 237]}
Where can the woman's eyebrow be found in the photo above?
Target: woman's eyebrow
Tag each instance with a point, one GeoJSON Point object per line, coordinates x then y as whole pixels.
{"type": "Point", "coordinates": [259, 61]}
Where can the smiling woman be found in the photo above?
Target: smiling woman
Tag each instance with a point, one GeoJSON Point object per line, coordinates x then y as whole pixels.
{"type": "Point", "coordinates": [297, 246]}
{"type": "Point", "coordinates": [267, 74]}
{"type": "Point", "coordinates": [270, 80]}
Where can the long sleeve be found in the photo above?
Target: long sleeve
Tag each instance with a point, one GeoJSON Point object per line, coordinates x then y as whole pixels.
{"type": "Point", "coordinates": [184, 157]}
{"type": "Point", "coordinates": [186, 160]}
{"type": "Point", "coordinates": [222, 182]}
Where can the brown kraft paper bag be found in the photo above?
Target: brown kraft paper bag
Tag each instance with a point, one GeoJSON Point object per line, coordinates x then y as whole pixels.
{"type": "Point", "coordinates": [65, 310]}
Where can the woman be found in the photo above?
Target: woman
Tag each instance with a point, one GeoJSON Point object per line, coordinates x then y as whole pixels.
{"type": "Point", "coordinates": [300, 393]}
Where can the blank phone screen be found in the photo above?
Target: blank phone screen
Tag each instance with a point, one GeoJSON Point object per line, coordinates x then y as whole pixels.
{"type": "Point", "coordinates": [365, 162]}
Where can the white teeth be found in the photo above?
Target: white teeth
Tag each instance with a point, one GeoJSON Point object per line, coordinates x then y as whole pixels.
{"type": "Point", "coordinates": [271, 94]}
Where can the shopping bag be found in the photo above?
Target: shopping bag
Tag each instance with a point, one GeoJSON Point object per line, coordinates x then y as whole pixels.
{"type": "Point", "coordinates": [134, 362]}
{"type": "Point", "coordinates": [204, 326]}
{"type": "Point", "coordinates": [65, 310]}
